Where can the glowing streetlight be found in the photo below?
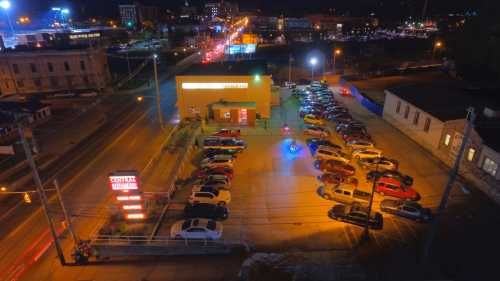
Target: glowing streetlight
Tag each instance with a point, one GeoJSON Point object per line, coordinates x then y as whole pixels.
{"type": "Point", "coordinates": [5, 5]}
{"type": "Point", "coordinates": [336, 53]}
{"type": "Point", "coordinates": [438, 44]}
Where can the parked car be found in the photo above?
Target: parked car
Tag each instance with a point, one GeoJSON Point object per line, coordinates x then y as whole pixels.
{"type": "Point", "coordinates": [290, 85]}
{"type": "Point", "coordinates": [220, 197]}
{"type": "Point", "coordinates": [217, 161]}
{"type": "Point", "coordinates": [339, 117]}
{"type": "Point", "coordinates": [395, 188]}
{"type": "Point", "coordinates": [223, 143]}
{"type": "Point", "coordinates": [366, 153]}
{"type": "Point", "coordinates": [316, 131]}
{"type": "Point", "coordinates": [196, 229]}
{"type": "Point", "coordinates": [227, 133]}
{"type": "Point", "coordinates": [333, 166]}
{"type": "Point", "coordinates": [326, 153]}
{"type": "Point", "coordinates": [356, 136]}
{"type": "Point", "coordinates": [350, 124]}
{"type": "Point", "coordinates": [335, 178]}
{"type": "Point", "coordinates": [222, 171]}
{"type": "Point", "coordinates": [213, 152]}
{"type": "Point", "coordinates": [378, 164]}
{"type": "Point", "coordinates": [405, 179]}
{"type": "Point", "coordinates": [314, 143]}
{"type": "Point", "coordinates": [406, 209]}
{"type": "Point", "coordinates": [345, 193]}
{"type": "Point", "coordinates": [209, 186]}
{"type": "Point", "coordinates": [359, 144]}
{"type": "Point", "coordinates": [314, 120]}
{"type": "Point", "coordinates": [205, 210]}
{"type": "Point", "coordinates": [356, 214]}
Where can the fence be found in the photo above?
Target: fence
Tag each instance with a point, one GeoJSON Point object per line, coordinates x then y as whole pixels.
{"type": "Point", "coordinates": [364, 101]}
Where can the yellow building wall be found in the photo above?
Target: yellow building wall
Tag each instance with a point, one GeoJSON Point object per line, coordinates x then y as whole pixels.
{"type": "Point", "coordinates": [258, 91]}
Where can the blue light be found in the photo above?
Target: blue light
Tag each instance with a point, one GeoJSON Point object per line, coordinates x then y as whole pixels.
{"type": "Point", "coordinates": [65, 11]}
{"type": "Point", "coordinates": [56, 9]}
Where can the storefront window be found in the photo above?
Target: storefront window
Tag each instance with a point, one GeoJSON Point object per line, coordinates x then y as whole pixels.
{"type": "Point", "coordinates": [447, 139]}
{"type": "Point", "coordinates": [470, 154]}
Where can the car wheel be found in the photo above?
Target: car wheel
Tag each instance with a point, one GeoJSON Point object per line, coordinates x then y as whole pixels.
{"type": "Point", "coordinates": [222, 203]}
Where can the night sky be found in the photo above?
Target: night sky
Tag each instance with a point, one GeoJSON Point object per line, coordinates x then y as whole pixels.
{"type": "Point", "coordinates": [385, 8]}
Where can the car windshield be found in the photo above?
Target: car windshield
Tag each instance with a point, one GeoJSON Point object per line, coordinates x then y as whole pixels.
{"type": "Point", "coordinates": [186, 224]}
{"type": "Point", "coordinates": [211, 225]}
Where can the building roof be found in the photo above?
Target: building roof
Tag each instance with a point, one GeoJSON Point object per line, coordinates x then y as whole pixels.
{"type": "Point", "coordinates": [233, 68]}
{"type": "Point", "coordinates": [449, 99]}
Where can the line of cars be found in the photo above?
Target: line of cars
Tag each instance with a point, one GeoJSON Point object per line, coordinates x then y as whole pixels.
{"type": "Point", "coordinates": [210, 193]}
{"type": "Point", "coordinates": [319, 108]}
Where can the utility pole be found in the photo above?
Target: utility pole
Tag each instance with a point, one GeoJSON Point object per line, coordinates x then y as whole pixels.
{"type": "Point", "coordinates": [65, 212]}
{"type": "Point", "coordinates": [40, 191]}
{"type": "Point", "coordinates": [471, 116]}
{"type": "Point", "coordinates": [157, 85]}
{"type": "Point", "coordinates": [366, 235]}
{"type": "Point", "coordinates": [290, 68]}
{"type": "Point", "coordinates": [128, 65]}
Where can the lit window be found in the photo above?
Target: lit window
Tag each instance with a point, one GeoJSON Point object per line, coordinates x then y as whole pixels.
{"type": "Point", "coordinates": [470, 154]}
{"type": "Point", "coordinates": [490, 166]}
{"type": "Point", "coordinates": [447, 139]}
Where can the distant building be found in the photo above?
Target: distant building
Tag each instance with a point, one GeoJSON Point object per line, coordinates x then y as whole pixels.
{"type": "Point", "coordinates": [35, 112]}
{"type": "Point", "coordinates": [433, 114]}
{"type": "Point", "coordinates": [221, 9]}
{"type": "Point", "coordinates": [134, 15]}
{"type": "Point", "coordinates": [128, 15]}
{"type": "Point", "coordinates": [45, 71]}
{"type": "Point", "coordinates": [234, 93]}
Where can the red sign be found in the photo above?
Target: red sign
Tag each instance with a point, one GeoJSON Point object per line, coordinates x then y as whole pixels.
{"type": "Point", "coordinates": [123, 182]}
{"type": "Point", "coordinates": [128, 198]}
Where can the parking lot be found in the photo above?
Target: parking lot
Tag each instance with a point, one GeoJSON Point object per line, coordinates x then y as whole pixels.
{"type": "Point", "coordinates": [275, 204]}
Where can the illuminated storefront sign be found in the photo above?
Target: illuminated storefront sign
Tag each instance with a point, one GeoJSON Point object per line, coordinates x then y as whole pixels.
{"type": "Point", "coordinates": [132, 207]}
{"type": "Point", "coordinates": [135, 216]}
{"type": "Point", "coordinates": [213, 86]}
{"type": "Point", "coordinates": [129, 198]}
{"type": "Point", "coordinates": [77, 36]}
{"type": "Point", "coordinates": [125, 182]}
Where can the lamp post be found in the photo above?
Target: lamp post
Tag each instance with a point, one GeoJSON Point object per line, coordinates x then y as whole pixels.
{"type": "Point", "coordinates": [336, 52]}
{"type": "Point", "coordinates": [313, 62]}
{"type": "Point", "coordinates": [5, 4]}
{"type": "Point", "coordinates": [437, 46]}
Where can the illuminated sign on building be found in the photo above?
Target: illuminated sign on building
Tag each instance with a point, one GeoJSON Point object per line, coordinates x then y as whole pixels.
{"type": "Point", "coordinates": [135, 216]}
{"type": "Point", "coordinates": [213, 86]}
{"type": "Point", "coordinates": [240, 49]}
{"type": "Point", "coordinates": [132, 207]}
{"type": "Point", "coordinates": [125, 182]}
{"type": "Point", "coordinates": [128, 198]}
{"type": "Point", "coordinates": [77, 36]}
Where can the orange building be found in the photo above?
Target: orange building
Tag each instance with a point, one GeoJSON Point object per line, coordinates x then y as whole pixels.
{"type": "Point", "coordinates": [235, 93]}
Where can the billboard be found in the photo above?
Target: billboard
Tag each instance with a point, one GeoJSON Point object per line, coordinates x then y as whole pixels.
{"type": "Point", "coordinates": [126, 187]}
{"type": "Point", "coordinates": [241, 49]}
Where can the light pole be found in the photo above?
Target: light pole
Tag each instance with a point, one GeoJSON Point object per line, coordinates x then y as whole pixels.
{"type": "Point", "coordinates": [336, 52]}
{"type": "Point", "coordinates": [313, 62]}
{"type": "Point", "coordinates": [157, 86]}
{"type": "Point", "coordinates": [5, 4]}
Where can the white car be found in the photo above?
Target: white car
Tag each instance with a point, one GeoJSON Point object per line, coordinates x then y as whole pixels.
{"type": "Point", "coordinates": [217, 162]}
{"type": "Point", "coordinates": [366, 153]}
{"type": "Point", "coordinates": [213, 196]}
{"type": "Point", "coordinates": [326, 153]}
{"type": "Point", "coordinates": [359, 144]}
{"type": "Point", "coordinates": [196, 229]}
{"type": "Point", "coordinates": [217, 157]}
{"type": "Point", "coordinates": [209, 186]}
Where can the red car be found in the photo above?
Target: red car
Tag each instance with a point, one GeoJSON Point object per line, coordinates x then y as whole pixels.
{"type": "Point", "coordinates": [336, 178]}
{"type": "Point", "coordinates": [356, 136]}
{"type": "Point", "coordinates": [225, 171]}
{"type": "Point", "coordinates": [392, 187]}
{"type": "Point", "coordinates": [335, 167]}
{"type": "Point", "coordinates": [227, 133]}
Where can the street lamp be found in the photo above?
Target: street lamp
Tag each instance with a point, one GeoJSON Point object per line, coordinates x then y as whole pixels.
{"type": "Point", "coordinates": [313, 62]}
{"type": "Point", "coordinates": [5, 4]}
{"type": "Point", "coordinates": [336, 53]}
{"type": "Point", "coordinates": [437, 45]}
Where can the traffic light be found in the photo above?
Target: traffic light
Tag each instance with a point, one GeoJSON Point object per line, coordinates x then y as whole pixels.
{"type": "Point", "coordinates": [27, 198]}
